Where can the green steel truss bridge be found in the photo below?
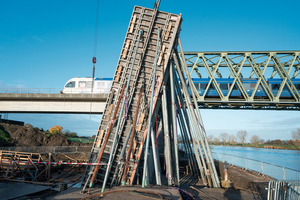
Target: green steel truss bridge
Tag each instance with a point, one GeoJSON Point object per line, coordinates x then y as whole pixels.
{"type": "Point", "coordinates": [246, 80]}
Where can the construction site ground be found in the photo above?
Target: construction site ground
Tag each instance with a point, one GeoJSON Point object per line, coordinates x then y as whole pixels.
{"type": "Point", "coordinates": [65, 180]}
{"type": "Point", "coordinates": [65, 183]}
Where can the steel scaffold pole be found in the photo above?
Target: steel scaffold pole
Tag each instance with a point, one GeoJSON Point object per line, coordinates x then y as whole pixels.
{"type": "Point", "coordinates": [215, 177]}
{"type": "Point", "coordinates": [120, 116]}
{"type": "Point", "coordinates": [150, 112]}
{"type": "Point", "coordinates": [192, 118]}
{"type": "Point", "coordinates": [185, 125]}
{"type": "Point", "coordinates": [167, 137]}
{"type": "Point", "coordinates": [184, 137]}
{"type": "Point", "coordinates": [175, 134]}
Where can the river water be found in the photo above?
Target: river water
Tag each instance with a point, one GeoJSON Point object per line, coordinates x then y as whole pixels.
{"type": "Point", "coordinates": [284, 158]}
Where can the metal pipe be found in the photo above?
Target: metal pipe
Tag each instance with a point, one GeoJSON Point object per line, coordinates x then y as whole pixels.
{"type": "Point", "coordinates": [186, 126]}
{"type": "Point", "coordinates": [104, 143]}
{"type": "Point", "coordinates": [155, 158]}
{"type": "Point", "coordinates": [120, 116]}
{"type": "Point", "coordinates": [131, 137]}
{"type": "Point", "coordinates": [167, 136]}
{"type": "Point", "coordinates": [150, 111]}
{"type": "Point", "coordinates": [175, 134]}
{"type": "Point", "coordinates": [209, 157]}
{"type": "Point", "coordinates": [192, 116]}
{"type": "Point", "coordinates": [185, 141]}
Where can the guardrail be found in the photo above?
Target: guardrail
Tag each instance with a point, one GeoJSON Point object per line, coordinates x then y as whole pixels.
{"type": "Point", "coordinates": [50, 149]}
{"type": "Point", "coordinates": [262, 168]}
{"type": "Point", "coordinates": [31, 90]}
{"type": "Point", "coordinates": [50, 91]}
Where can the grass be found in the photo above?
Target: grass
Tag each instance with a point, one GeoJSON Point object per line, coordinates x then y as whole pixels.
{"type": "Point", "coordinates": [4, 136]}
{"type": "Point", "coordinates": [276, 146]}
{"type": "Point", "coordinates": [82, 140]}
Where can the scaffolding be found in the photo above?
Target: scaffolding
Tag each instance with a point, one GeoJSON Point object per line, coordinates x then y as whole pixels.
{"type": "Point", "coordinates": [150, 83]}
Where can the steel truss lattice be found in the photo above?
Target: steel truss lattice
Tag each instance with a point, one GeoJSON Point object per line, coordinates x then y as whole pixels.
{"type": "Point", "coordinates": [255, 80]}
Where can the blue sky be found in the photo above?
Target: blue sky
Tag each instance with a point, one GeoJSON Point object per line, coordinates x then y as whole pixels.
{"type": "Point", "coordinates": [45, 43]}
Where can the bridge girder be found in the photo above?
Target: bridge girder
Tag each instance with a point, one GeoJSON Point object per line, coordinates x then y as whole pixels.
{"type": "Point", "coordinates": [262, 67]}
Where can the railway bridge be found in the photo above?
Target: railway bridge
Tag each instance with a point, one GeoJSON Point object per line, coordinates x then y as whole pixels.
{"type": "Point", "coordinates": [221, 80]}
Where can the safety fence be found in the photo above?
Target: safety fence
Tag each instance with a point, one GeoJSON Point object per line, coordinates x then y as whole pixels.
{"type": "Point", "coordinates": [50, 149]}
{"type": "Point", "coordinates": [284, 190]}
{"type": "Point", "coordinates": [263, 168]}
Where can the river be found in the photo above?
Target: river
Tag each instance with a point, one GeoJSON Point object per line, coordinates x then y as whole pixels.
{"type": "Point", "coordinates": [284, 158]}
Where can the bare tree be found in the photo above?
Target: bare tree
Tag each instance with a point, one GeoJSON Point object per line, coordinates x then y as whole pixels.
{"type": "Point", "coordinates": [241, 135]}
{"type": "Point", "coordinates": [296, 134]}
{"type": "Point", "coordinates": [210, 138]}
{"type": "Point", "coordinates": [255, 140]}
{"type": "Point", "coordinates": [216, 140]}
{"type": "Point", "coordinates": [224, 137]}
{"type": "Point", "coordinates": [231, 139]}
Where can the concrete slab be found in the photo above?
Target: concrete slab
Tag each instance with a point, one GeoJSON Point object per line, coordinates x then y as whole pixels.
{"type": "Point", "coordinates": [14, 190]}
{"type": "Point", "coordinates": [74, 193]}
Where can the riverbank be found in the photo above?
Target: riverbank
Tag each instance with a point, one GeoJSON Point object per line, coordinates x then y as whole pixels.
{"type": "Point", "coordinates": [264, 146]}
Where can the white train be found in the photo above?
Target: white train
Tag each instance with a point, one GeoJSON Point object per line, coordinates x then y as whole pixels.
{"type": "Point", "coordinates": [84, 85]}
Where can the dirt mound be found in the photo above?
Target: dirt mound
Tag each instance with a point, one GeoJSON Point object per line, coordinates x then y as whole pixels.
{"type": "Point", "coordinates": [28, 135]}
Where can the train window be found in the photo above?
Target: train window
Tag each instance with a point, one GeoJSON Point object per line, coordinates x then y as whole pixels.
{"type": "Point", "coordinates": [70, 84]}
{"type": "Point", "coordinates": [234, 87]}
{"type": "Point", "coordinates": [203, 86]}
{"type": "Point", "coordinates": [275, 86]}
{"type": "Point", "coordinates": [224, 86]}
{"type": "Point", "coordinates": [101, 84]}
{"type": "Point", "coordinates": [89, 84]}
{"type": "Point", "coordinates": [197, 85]}
{"type": "Point", "coordinates": [297, 86]}
{"type": "Point", "coordinates": [82, 84]}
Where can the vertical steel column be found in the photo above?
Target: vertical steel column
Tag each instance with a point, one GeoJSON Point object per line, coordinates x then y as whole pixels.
{"type": "Point", "coordinates": [167, 137]}
{"type": "Point", "coordinates": [209, 156]}
{"type": "Point", "coordinates": [150, 111]}
{"type": "Point", "coordinates": [120, 116]}
{"type": "Point", "coordinates": [175, 134]}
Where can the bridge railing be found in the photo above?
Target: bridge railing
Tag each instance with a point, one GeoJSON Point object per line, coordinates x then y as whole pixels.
{"type": "Point", "coordinates": [260, 167]}
{"type": "Point", "coordinates": [31, 90]}
{"type": "Point", "coordinates": [50, 149]}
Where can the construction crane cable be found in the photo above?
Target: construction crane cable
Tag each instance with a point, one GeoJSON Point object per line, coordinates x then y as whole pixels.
{"type": "Point", "coordinates": [96, 30]}
{"type": "Point", "coordinates": [94, 54]}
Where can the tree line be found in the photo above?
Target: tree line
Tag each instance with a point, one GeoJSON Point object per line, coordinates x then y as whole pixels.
{"type": "Point", "coordinates": [241, 137]}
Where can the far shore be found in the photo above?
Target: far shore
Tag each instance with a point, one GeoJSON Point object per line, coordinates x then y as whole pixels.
{"type": "Point", "coordinates": [265, 146]}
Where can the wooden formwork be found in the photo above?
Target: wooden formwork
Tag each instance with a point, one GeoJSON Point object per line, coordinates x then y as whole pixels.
{"type": "Point", "coordinates": [21, 166]}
